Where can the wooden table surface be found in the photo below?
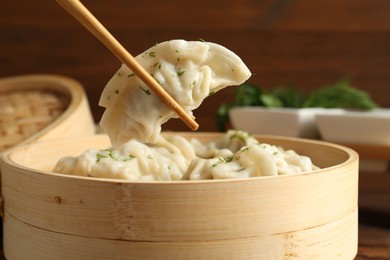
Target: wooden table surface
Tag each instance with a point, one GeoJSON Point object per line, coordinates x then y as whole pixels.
{"type": "Point", "coordinates": [374, 215]}
{"type": "Point", "coordinates": [374, 240]}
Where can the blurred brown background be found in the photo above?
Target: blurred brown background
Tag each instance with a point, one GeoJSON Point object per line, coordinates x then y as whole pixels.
{"type": "Point", "coordinates": [308, 43]}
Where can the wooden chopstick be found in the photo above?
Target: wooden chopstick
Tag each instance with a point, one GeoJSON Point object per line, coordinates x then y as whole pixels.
{"type": "Point", "coordinates": [85, 17]}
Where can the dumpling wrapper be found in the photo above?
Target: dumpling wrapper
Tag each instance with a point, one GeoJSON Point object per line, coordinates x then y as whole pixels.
{"type": "Point", "coordinates": [188, 70]}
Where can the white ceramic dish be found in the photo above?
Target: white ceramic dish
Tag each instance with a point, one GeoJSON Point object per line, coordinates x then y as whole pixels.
{"type": "Point", "coordinates": [278, 121]}
{"type": "Point", "coordinates": [358, 127]}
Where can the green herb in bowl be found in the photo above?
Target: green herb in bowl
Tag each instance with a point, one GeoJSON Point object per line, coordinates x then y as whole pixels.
{"type": "Point", "coordinates": [338, 95]}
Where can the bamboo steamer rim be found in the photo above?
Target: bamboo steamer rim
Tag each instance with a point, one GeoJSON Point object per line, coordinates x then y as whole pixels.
{"type": "Point", "coordinates": [351, 155]}
{"type": "Point", "coordinates": [53, 82]}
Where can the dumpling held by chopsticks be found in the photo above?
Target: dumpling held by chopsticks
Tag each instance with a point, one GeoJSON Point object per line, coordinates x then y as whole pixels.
{"type": "Point", "coordinates": [188, 70]}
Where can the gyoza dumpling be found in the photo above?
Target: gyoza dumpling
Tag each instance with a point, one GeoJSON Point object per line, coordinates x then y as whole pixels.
{"type": "Point", "coordinates": [188, 70]}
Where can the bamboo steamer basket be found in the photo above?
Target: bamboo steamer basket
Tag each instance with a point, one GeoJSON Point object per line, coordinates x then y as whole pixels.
{"type": "Point", "coordinates": [41, 107]}
{"type": "Point", "coordinates": [301, 216]}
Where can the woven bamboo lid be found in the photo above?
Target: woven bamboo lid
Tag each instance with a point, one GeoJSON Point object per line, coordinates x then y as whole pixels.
{"type": "Point", "coordinates": [31, 106]}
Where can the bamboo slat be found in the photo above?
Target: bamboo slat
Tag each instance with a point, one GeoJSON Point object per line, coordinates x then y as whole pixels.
{"type": "Point", "coordinates": [335, 240]}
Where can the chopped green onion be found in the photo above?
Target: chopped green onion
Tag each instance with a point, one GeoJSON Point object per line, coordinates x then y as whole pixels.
{"type": "Point", "coordinates": [147, 91]}
{"type": "Point", "coordinates": [157, 64]}
{"type": "Point", "coordinates": [100, 156]}
{"type": "Point", "coordinates": [130, 157]}
{"type": "Point", "coordinates": [244, 149]}
{"type": "Point", "coordinates": [181, 72]}
{"type": "Point", "coordinates": [229, 159]}
{"type": "Point", "coordinates": [193, 84]}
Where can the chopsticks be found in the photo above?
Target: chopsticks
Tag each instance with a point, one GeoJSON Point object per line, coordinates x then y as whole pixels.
{"type": "Point", "coordinates": [86, 18]}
